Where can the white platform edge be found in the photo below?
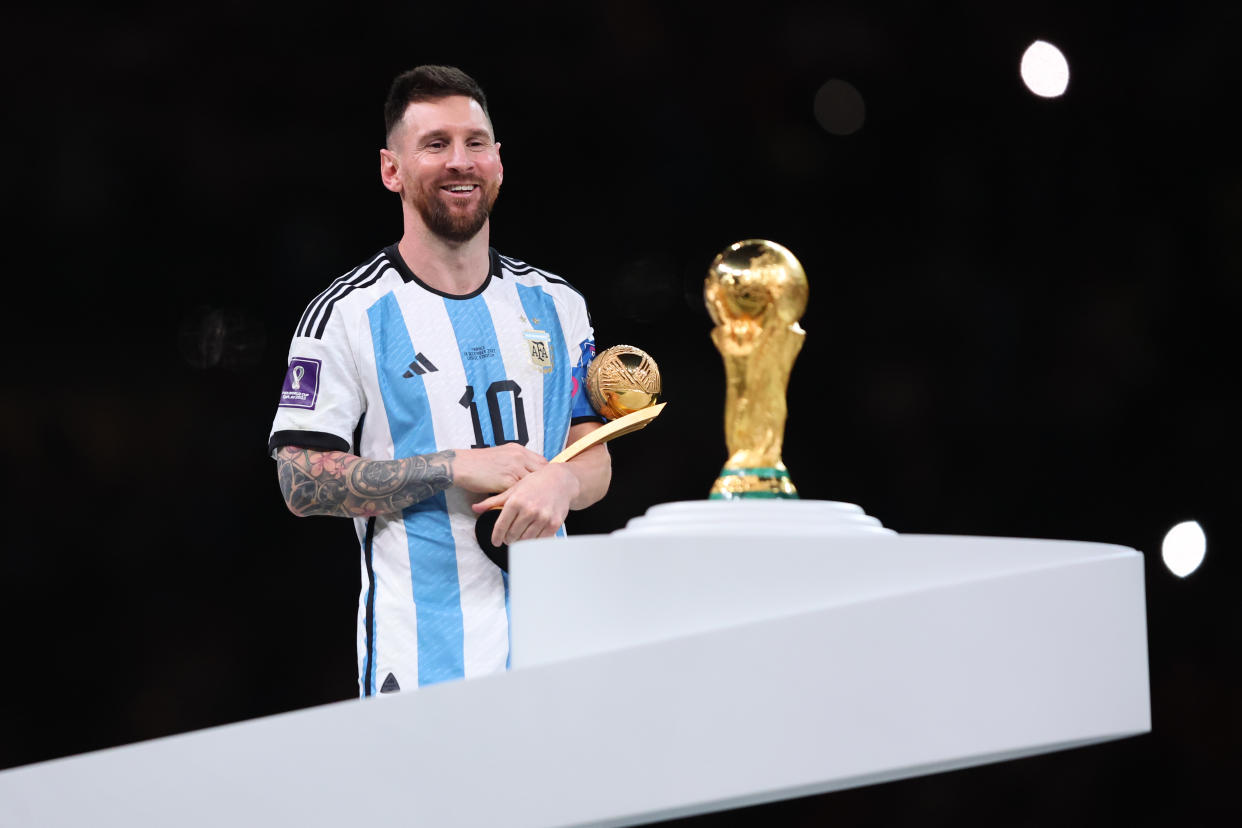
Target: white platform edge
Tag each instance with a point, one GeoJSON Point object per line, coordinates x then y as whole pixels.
{"type": "Point", "coordinates": [972, 673]}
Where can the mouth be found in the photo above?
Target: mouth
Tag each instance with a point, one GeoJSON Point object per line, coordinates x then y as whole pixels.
{"type": "Point", "coordinates": [460, 190]}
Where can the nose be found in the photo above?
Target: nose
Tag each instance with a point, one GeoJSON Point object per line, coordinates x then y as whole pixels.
{"type": "Point", "coordinates": [459, 159]}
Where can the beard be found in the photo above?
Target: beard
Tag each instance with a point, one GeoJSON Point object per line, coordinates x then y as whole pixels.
{"type": "Point", "coordinates": [456, 225]}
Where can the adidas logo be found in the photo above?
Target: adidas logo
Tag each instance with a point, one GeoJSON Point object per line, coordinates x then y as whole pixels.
{"type": "Point", "coordinates": [421, 365]}
{"type": "Point", "coordinates": [390, 685]}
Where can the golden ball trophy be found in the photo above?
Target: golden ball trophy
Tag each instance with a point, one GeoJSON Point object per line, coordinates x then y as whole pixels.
{"type": "Point", "coordinates": [622, 380]}
{"type": "Point", "coordinates": [756, 292]}
{"type": "Point", "coordinates": [623, 384]}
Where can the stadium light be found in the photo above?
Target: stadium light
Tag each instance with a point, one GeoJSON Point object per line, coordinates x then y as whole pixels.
{"type": "Point", "coordinates": [1045, 70]}
{"type": "Point", "coordinates": [1183, 548]}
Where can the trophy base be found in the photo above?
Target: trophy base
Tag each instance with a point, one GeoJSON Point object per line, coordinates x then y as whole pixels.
{"type": "Point", "coordinates": [753, 483]}
{"type": "Point", "coordinates": [759, 519]}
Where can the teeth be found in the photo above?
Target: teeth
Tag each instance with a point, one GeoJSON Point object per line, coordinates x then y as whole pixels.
{"type": "Point", "coordinates": [461, 188]}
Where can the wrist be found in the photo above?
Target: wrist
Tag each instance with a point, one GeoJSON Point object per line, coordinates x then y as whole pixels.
{"type": "Point", "coordinates": [571, 482]}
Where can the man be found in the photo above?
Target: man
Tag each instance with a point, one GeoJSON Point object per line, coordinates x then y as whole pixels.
{"type": "Point", "coordinates": [430, 384]}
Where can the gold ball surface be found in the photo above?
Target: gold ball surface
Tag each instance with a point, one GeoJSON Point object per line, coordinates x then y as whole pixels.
{"type": "Point", "coordinates": [751, 276]}
{"type": "Point", "coordinates": [621, 380]}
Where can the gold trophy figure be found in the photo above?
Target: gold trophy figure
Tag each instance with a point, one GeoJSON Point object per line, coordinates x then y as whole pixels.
{"type": "Point", "coordinates": [623, 384]}
{"type": "Point", "coordinates": [756, 292]}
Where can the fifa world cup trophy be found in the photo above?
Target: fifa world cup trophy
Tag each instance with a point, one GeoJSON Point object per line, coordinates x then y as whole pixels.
{"type": "Point", "coordinates": [756, 292]}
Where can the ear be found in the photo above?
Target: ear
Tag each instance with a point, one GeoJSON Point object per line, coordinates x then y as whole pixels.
{"type": "Point", "coordinates": [500, 176]}
{"type": "Point", "coordinates": [390, 167]}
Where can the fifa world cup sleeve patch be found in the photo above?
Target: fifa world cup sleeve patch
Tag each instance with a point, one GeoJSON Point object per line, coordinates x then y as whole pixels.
{"type": "Point", "coordinates": [301, 387]}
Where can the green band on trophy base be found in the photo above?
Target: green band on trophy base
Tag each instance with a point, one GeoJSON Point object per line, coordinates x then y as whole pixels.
{"type": "Point", "coordinates": [764, 471]}
{"type": "Point", "coordinates": [753, 483]}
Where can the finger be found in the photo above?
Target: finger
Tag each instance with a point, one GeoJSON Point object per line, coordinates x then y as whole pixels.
{"type": "Point", "coordinates": [551, 526]}
{"type": "Point", "coordinates": [536, 529]}
{"type": "Point", "coordinates": [501, 529]}
{"type": "Point", "coordinates": [527, 460]}
{"type": "Point", "coordinates": [518, 528]}
{"type": "Point", "coordinates": [518, 470]}
{"type": "Point", "coordinates": [530, 459]}
{"type": "Point", "coordinates": [490, 502]}
{"type": "Point", "coordinates": [544, 526]}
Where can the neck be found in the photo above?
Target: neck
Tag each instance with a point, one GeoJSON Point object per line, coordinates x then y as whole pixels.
{"type": "Point", "coordinates": [451, 267]}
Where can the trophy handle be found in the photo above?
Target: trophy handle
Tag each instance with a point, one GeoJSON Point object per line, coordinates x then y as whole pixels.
{"type": "Point", "coordinates": [622, 425]}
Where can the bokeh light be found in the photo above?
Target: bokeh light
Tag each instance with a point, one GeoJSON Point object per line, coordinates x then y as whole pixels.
{"type": "Point", "coordinates": [839, 107]}
{"type": "Point", "coordinates": [1183, 548]}
{"type": "Point", "coordinates": [1045, 70]}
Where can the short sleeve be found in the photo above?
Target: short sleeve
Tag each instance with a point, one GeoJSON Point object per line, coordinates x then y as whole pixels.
{"type": "Point", "coordinates": [321, 399]}
{"type": "Point", "coordinates": [581, 342]}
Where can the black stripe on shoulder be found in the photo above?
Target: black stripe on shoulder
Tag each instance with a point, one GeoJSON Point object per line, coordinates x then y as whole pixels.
{"type": "Point", "coordinates": [367, 275]}
{"type": "Point", "coordinates": [318, 440]}
{"type": "Point", "coordinates": [376, 275]}
{"type": "Point", "coordinates": [555, 281]}
{"type": "Point", "coordinates": [314, 303]}
{"type": "Point", "coordinates": [520, 268]}
{"type": "Point", "coordinates": [515, 265]}
{"type": "Point", "coordinates": [317, 306]}
{"type": "Point", "coordinates": [585, 305]}
{"type": "Point", "coordinates": [313, 308]}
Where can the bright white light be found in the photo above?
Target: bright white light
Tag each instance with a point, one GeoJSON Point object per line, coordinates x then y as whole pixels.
{"type": "Point", "coordinates": [1045, 70]}
{"type": "Point", "coordinates": [1183, 548]}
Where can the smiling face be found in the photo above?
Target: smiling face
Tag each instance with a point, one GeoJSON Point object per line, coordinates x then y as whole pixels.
{"type": "Point", "coordinates": [445, 164]}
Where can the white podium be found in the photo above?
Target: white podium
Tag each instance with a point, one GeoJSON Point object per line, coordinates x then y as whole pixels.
{"type": "Point", "coordinates": [708, 656]}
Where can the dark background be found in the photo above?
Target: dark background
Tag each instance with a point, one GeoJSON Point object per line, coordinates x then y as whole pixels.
{"type": "Point", "coordinates": [1019, 325]}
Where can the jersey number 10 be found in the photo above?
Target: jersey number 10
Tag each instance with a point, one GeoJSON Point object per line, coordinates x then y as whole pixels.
{"type": "Point", "coordinates": [493, 412]}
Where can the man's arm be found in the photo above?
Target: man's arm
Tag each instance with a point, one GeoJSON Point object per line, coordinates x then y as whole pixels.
{"type": "Point", "coordinates": [593, 468]}
{"type": "Point", "coordinates": [342, 484]}
{"type": "Point", "coordinates": [536, 506]}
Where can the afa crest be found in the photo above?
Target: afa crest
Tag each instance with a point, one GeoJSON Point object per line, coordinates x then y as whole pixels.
{"type": "Point", "coordinates": [540, 345]}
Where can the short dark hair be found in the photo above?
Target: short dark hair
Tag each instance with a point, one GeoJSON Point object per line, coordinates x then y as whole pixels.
{"type": "Point", "coordinates": [428, 83]}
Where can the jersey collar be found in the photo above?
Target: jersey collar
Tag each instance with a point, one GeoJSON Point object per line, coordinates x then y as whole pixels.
{"type": "Point", "coordinates": [494, 271]}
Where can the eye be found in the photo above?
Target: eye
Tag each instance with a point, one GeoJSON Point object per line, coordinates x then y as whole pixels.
{"type": "Point", "coordinates": [477, 145]}
{"type": "Point", "coordinates": [435, 146]}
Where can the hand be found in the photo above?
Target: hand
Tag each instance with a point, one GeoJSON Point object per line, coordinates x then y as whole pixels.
{"type": "Point", "coordinates": [495, 469]}
{"type": "Point", "coordinates": [535, 507]}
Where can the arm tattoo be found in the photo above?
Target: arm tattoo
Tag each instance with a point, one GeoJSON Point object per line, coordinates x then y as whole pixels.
{"type": "Point", "coordinates": [336, 483]}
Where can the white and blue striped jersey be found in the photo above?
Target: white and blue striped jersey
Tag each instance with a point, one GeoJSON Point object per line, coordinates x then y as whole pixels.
{"type": "Point", "coordinates": [384, 366]}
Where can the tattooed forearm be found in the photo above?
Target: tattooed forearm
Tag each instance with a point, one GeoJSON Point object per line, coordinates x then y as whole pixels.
{"type": "Point", "coordinates": [336, 483]}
